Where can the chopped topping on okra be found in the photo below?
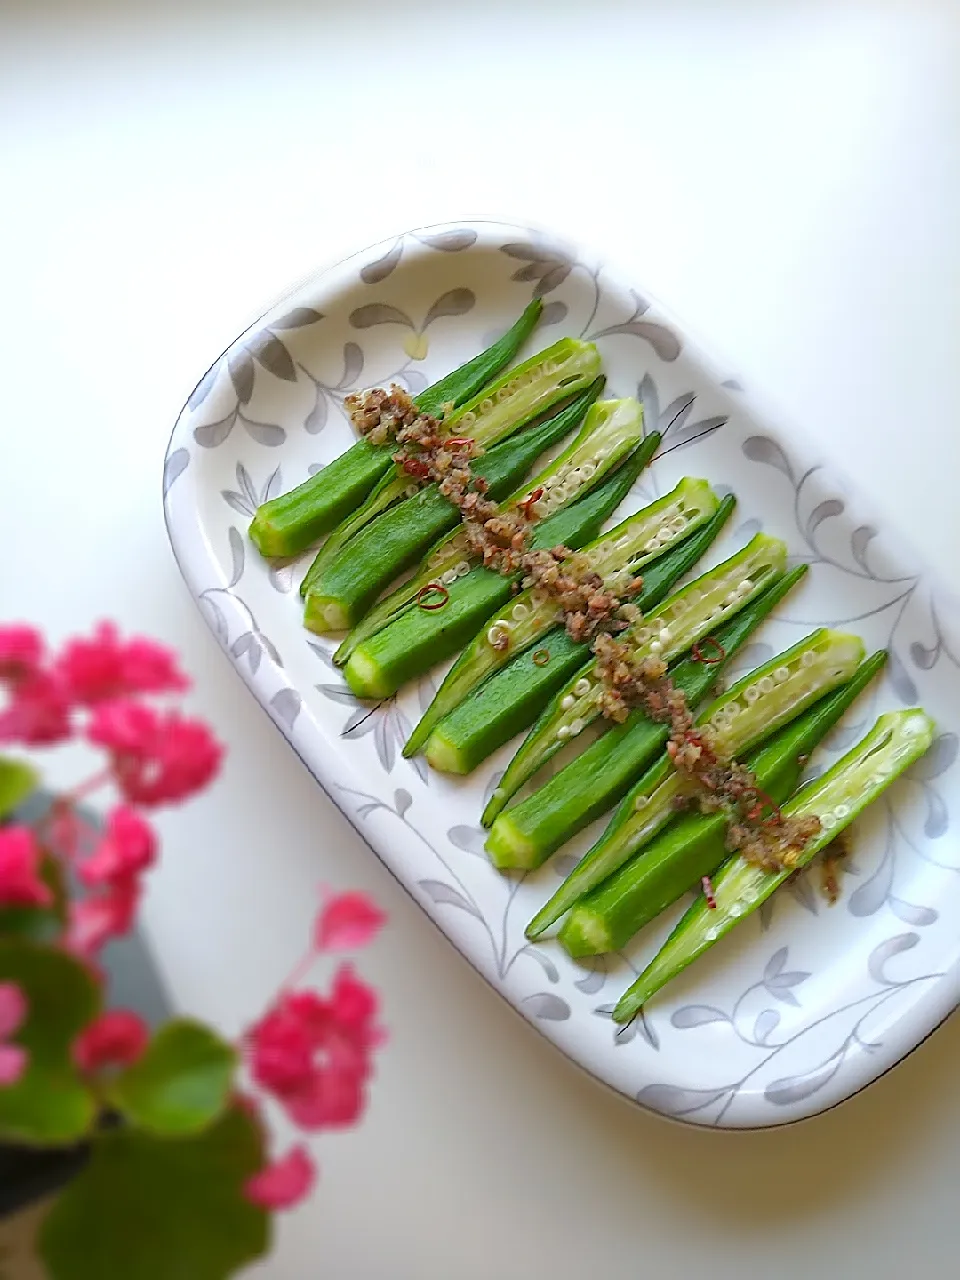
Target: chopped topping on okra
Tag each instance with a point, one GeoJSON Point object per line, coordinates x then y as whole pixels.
{"type": "Point", "coordinates": [589, 603]}
{"type": "Point", "coordinates": [756, 827]}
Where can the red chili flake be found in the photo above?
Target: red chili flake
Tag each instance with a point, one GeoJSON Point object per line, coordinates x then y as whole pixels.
{"type": "Point", "coordinates": [541, 657]}
{"type": "Point", "coordinates": [774, 818]}
{"type": "Point", "coordinates": [415, 467]}
{"type": "Point", "coordinates": [459, 442]}
{"type": "Point", "coordinates": [698, 655]}
{"type": "Point", "coordinates": [708, 893]}
{"type": "Point", "coordinates": [696, 739]}
{"type": "Point", "coordinates": [432, 605]}
{"type": "Point", "coordinates": [528, 502]}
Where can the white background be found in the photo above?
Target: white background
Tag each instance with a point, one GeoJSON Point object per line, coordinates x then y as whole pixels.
{"type": "Point", "coordinates": [785, 177]}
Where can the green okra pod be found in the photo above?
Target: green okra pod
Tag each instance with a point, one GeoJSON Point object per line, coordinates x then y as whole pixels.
{"type": "Point", "coordinates": [339, 595]}
{"type": "Point", "coordinates": [509, 701]}
{"type": "Point", "coordinates": [519, 396]}
{"type": "Point", "coordinates": [897, 740]}
{"type": "Point", "coordinates": [657, 869]}
{"type": "Point", "coordinates": [290, 523]}
{"type": "Point", "coordinates": [532, 615]}
{"type": "Point", "coordinates": [600, 777]}
{"type": "Point", "coordinates": [688, 616]}
{"type": "Point", "coordinates": [452, 556]}
{"type": "Point", "coordinates": [525, 836]}
{"type": "Point", "coordinates": [417, 637]}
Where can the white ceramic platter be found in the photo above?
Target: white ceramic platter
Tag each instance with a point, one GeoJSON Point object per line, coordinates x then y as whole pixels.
{"type": "Point", "coordinates": [801, 1006]}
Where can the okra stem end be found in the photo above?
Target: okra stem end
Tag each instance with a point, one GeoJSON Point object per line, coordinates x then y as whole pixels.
{"type": "Point", "coordinates": [441, 754]}
{"type": "Point", "coordinates": [364, 677]}
{"type": "Point", "coordinates": [509, 849]}
{"type": "Point", "coordinates": [322, 614]}
{"type": "Point", "coordinates": [584, 934]}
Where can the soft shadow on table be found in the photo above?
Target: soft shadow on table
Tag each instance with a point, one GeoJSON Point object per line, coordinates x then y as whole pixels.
{"type": "Point", "coordinates": [855, 1142]}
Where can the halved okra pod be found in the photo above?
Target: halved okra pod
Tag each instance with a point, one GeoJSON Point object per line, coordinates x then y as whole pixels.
{"type": "Point", "coordinates": [636, 863]}
{"type": "Point", "coordinates": [896, 741]}
{"type": "Point", "coordinates": [338, 596]}
{"type": "Point", "coordinates": [511, 699]}
{"type": "Point", "coordinates": [287, 525]}
{"type": "Point", "coordinates": [518, 397]}
{"type": "Point", "coordinates": [688, 616]}
{"type": "Point", "coordinates": [531, 616]}
{"type": "Point", "coordinates": [597, 779]}
{"type": "Point", "coordinates": [418, 637]}
{"type": "Point", "coordinates": [452, 556]}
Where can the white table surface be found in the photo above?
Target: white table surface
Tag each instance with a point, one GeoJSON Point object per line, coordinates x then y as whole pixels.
{"type": "Point", "coordinates": [785, 177]}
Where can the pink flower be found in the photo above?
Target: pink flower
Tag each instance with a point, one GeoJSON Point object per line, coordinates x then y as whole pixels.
{"type": "Point", "coordinates": [21, 651]}
{"type": "Point", "coordinates": [38, 712]}
{"type": "Point", "coordinates": [333, 1097]}
{"type": "Point", "coordinates": [20, 858]}
{"type": "Point", "coordinates": [96, 920]}
{"type": "Point", "coordinates": [347, 921]}
{"type": "Point", "coordinates": [13, 1011]}
{"type": "Point", "coordinates": [354, 1006]}
{"type": "Point", "coordinates": [283, 1183]}
{"type": "Point", "coordinates": [14, 1060]}
{"type": "Point", "coordinates": [314, 1054]}
{"type": "Point", "coordinates": [103, 667]}
{"type": "Point", "coordinates": [157, 758]}
{"type": "Point", "coordinates": [114, 1039]}
{"type": "Point", "coordinates": [128, 848]}
{"type": "Point", "coordinates": [282, 1043]}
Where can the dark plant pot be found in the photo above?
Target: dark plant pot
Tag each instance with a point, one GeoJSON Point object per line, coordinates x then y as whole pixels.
{"type": "Point", "coordinates": [28, 1174]}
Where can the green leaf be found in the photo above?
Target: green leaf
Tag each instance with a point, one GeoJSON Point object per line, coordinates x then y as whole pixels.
{"type": "Point", "coordinates": [50, 1103]}
{"type": "Point", "coordinates": [39, 924]}
{"type": "Point", "coordinates": [17, 781]}
{"type": "Point", "coordinates": [148, 1208]}
{"type": "Point", "coordinates": [181, 1084]}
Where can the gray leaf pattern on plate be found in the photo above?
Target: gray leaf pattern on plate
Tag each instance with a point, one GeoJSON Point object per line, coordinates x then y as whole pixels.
{"type": "Point", "coordinates": [675, 1101]}
{"type": "Point", "coordinates": [298, 318]}
{"type": "Point", "coordinates": [881, 956]}
{"type": "Point", "coordinates": [450, 241]}
{"type": "Point", "coordinates": [697, 1015]}
{"type": "Point", "coordinates": [327, 395]}
{"type": "Point", "coordinates": [378, 313]}
{"type": "Point", "coordinates": [595, 976]}
{"type": "Point", "coordinates": [446, 895]}
{"type": "Point", "coordinates": [204, 386]}
{"type": "Point", "coordinates": [375, 272]}
{"type": "Point", "coordinates": [469, 839]}
{"type": "Point", "coordinates": [237, 556]}
{"type": "Point", "coordinates": [175, 465]}
{"type": "Point", "coordinates": [457, 302]}
{"type": "Point", "coordinates": [286, 704]}
{"type": "Point", "coordinates": [543, 960]}
{"type": "Point", "coordinates": [453, 241]}
{"type": "Point", "coordinates": [247, 497]}
{"type": "Point", "coordinates": [544, 1004]}
{"type": "Point", "coordinates": [626, 1033]}
{"type": "Point", "coordinates": [797, 1088]}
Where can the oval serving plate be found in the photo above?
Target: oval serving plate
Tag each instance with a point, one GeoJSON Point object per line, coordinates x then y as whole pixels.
{"type": "Point", "coordinates": [799, 1008]}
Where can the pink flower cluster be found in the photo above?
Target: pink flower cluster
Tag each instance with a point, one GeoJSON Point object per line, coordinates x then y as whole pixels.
{"type": "Point", "coordinates": [156, 757]}
{"type": "Point", "coordinates": [311, 1054]}
{"type": "Point", "coordinates": [98, 688]}
{"type": "Point", "coordinates": [314, 1054]}
{"type": "Point", "coordinates": [14, 1059]}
